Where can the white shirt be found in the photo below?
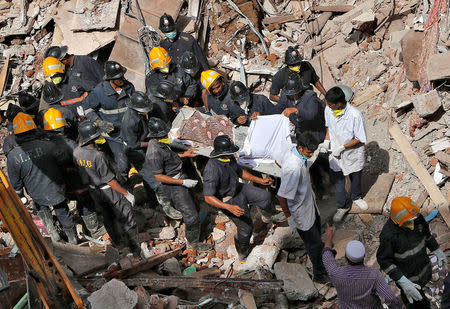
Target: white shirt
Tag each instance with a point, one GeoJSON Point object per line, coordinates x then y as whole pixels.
{"type": "Point", "coordinates": [296, 188]}
{"type": "Point", "coordinates": [342, 130]}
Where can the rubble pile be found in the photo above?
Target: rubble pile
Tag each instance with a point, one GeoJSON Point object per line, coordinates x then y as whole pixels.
{"type": "Point", "coordinates": [393, 54]}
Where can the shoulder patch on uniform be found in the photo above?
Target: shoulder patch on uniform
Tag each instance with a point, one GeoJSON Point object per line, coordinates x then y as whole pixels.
{"type": "Point", "coordinates": [184, 38]}
{"type": "Point", "coordinates": [224, 106]}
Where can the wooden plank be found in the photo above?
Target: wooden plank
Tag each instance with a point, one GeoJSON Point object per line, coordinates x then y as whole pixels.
{"type": "Point", "coordinates": [280, 19]}
{"type": "Point", "coordinates": [333, 8]}
{"type": "Point", "coordinates": [208, 272]}
{"type": "Point", "coordinates": [377, 195]}
{"type": "Point", "coordinates": [4, 76]}
{"type": "Point", "coordinates": [368, 94]}
{"type": "Point", "coordinates": [443, 157]}
{"type": "Point", "coordinates": [247, 299]}
{"type": "Point", "coordinates": [317, 25]}
{"type": "Point", "coordinates": [420, 197]}
{"type": "Point", "coordinates": [437, 198]}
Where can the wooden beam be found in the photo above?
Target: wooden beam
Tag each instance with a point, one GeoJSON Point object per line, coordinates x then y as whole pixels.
{"type": "Point", "coordinates": [368, 94]}
{"type": "Point", "coordinates": [317, 25]}
{"type": "Point", "coordinates": [377, 195]}
{"type": "Point", "coordinates": [436, 195]}
{"type": "Point", "coordinates": [208, 272]}
{"type": "Point", "coordinates": [333, 8]}
{"type": "Point", "coordinates": [4, 76]}
{"type": "Point", "coordinates": [443, 157]}
{"type": "Point", "coordinates": [280, 19]}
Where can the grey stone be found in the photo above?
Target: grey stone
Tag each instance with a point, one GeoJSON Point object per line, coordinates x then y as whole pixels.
{"type": "Point", "coordinates": [260, 255]}
{"type": "Point", "coordinates": [283, 238]}
{"type": "Point", "coordinates": [167, 232]}
{"type": "Point", "coordinates": [170, 267]}
{"type": "Point", "coordinates": [297, 284]}
{"type": "Point", "coordinates": [427, 104]}
{"type": "Point", "coordinates": [113, 295]}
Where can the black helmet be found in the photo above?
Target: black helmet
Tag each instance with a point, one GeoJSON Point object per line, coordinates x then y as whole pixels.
{"type": "Point", "coordinates": [223, 145]}
{"type": "Point", "coordinates": [12, 111]}
{"type": "Point", "coordinates": [28, 103]}
{"type": "Point", "coordinates": [157, 128]}
{"type": "Point", "coordinates": [292, 56]}
{"type": "Point", "coordinates": [294, 84]}
{"type": "Point", "coordinates": [189, 63]}
{"type": "Point", "coordinates": [166, 91]}
{"type": "Point", "coordinates": [58, 52]}
{"type": "Point", "coordinates": [87, 131]}
{"type": "Point", "coordinates": [51, 93]}
{"type": "Point", "coordinates": [140, 102]}
{"type": "Point", "coordinates": [114, 70]}
{"type": "Point", "coordinates": [166, 23]}
{"type": "Point", "coordinates": [238, 91]}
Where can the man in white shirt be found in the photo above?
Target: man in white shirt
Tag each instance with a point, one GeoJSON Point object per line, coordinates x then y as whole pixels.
{"type": "Point", "coordinates": [298, 201]}
{"type": "Point", "coordinates": [346, 137]}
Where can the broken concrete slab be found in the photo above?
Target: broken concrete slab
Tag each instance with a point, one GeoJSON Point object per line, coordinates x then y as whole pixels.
{"type": "Point", "coordinates": [411, 48]}
{"type": "Point", "coordinates": [297, 284]}
{"type": "Point", "coordinates": [396, 38]}
{"type": "Point", "coordinates": [340, 240]}
{"type": "Point", "coordinates": [261, 255]}
{"type": "Point", "coordinates": [427, 104]}
{"type": "Point", "coordinates": [283, 238]}
{"type": "Point", "coordinates": [113, 295]}
{"type": "Point", "coordinates": [99, 16]}
{"type": "Point", "coordinates": [337, 55]}
{"type": "Point", "coordinates": [438, 66]}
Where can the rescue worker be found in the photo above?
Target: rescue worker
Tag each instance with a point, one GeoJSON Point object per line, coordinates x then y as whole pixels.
{"type": "Point", "coordinates": [216, 96]}
{"type": "Point", "coordinates": [115, 200]}
{"type": "Point", "coordinates": [105, 106]}
{"type": "Point", "coordinates": [163, 69]}
{"type": "Point", "coordinates": [35, 165]}
{"type": "Point", "coordinates": [166, 166]}
{"type": "Point", "coordinates": [134, 134]}
{"type": "Point", "coordinates": [222, 189]}
{"type": "Point", "coordinates": [190, 66]}
{"type": "Point", "coordinates": [83, 67]}
{"type": "Point", "coordinates": [55, 125]}
{"type": "Point", "coordinates": [346, 136]}
{"type": "Point", "coordinates": [166, 96]}
{"type": "Point", "coordinates": [294, 63]}
{"type": "Point", "coordinates": [248, 106]}
{"type": "Point", "coordinates": [402, 253]}
{"type": "Point", "coordinates": [298, 201]}
{"type": "Point", "coordinates": [74, 89]}
{"type": "Point", "coordinates": [179, 43]}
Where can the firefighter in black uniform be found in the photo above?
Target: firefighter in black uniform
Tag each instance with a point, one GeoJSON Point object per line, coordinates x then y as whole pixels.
{"type": "Point", "coordinates": [402, 253]}
{"type": "Point", "coordinates": [35, 165]}
{"type": "Point", "coordinates": [166, 166]}
{"type": "Point", "coordinates": [294, 63]}
{"type": "Point", "coordinates": [134, 133]}
{"type": "Point", "coordinates": [55, 125]}
{"type": "Point", "coordinates": [105, 106]}
{"type": "Point", "coordinates": [222, 189]}
{"type": "Point", "coordinates": [115, 200]}
{"type": "Point", "coordinates": [191, 67]}
{"type": "Point", "coordinates": [83, 67]}
{"type": "Point", "coordinates": [179, 43]}
{"type": "Point", "coordinates": [216, 96]}
{"type": "Point", "coordinates": [248, 106]}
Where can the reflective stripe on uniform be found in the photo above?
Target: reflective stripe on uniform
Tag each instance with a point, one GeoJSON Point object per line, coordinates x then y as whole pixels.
{"type": "Point", "coordinates": [420, 275]}
{"type": "Point", "coordinates": [89, 110]}
{"type": "Point", "coordinates": [113, 111]}
{"type": "Point", "coordinates": [392, 267]}
{"type": "Point", "coordinates": [74, 100]}
{"type": "Point", "coordinates": [410, 252]}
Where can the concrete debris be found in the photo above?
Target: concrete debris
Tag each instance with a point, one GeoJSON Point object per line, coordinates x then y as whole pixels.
{"type": "Point", "coordinates": [411, 48]}
{"type": "Point", "coordinates": [113, 295]}
{"type": "Point", "coordinates": [438, 66]}
{"type": "Point", "coordinates": [427, 104]}
{"type": "Point", "coordinates": [297, 284]}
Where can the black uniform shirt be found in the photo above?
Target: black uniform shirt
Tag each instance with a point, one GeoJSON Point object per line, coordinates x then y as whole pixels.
{"type": "Point", "coordinates": [93, 166]}
{"type": "Point", "coordinates": [175, 76]}
{"type": "Point", "coordinates": [307, 73]}
{"type": "Point", "coordinates": [221, 179]}
{"type": "Point", "coordinates": [134, 129]}
{"type": "Point", "coordinates": [160, 159]}
{"type": "Point", "coordinates": [184, 42]}
{"type": "Point", "coordinates": [35, 165]}
{"type": "Point", "coordinates": [87, 69]}
{"type": "Point", "coordinates": [221, 105]}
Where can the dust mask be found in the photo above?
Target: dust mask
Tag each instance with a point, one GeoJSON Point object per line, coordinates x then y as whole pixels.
{"type": "Point", "coordinates": [100, 140]}
{"type": "Point", "coordinates": [171, 35]}
{"type": "Point", "coordinates": [57, 80]}
{"type": "Point", "coordinates": [164, 70]}
{"type": "Point", "coordinates": [409, 225]}
{"type": "Point", "coordinates": [338, 112]}
{"type": "Point", "coordinates": [164, 140]}
{"type": "Point", "coordinates": [295, 68]}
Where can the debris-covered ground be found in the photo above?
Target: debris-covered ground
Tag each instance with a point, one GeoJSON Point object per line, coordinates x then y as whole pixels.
{"type": "Point", "coordinates": [394, 55]}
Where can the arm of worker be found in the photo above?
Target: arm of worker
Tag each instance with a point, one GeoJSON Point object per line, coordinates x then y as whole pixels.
{"type": "Point", "coordinates": [430, 241]}
{"type": "Point", "coordinates": [214, 201]}
{"type": "Point", "coordinates": [315, 78]}
{"type": "Point", "coordinates": [328, 254]}
{"type": "Point", "coordinates": [383, 290]}
{"type": "Point", "coordinates": [277, 85]}
{"type": "Point", "coordinates": [205, 100]}
{"type": "Point", "coordinates": [14, 176]}
{"type": "Point", "coordinates": [385, 258]}
{"type": "Point", "coordinates": [168, 180]}
{"type": "Point", "coordinates": [188, 154]}
{"type": "Point", "coordinates": [320, 87]}
{"type": "Point", "coordinates": [250, 177]}
{"type": "Point", "coordinates": [130, 132]}
{"type": "Point", "coordinates": [90, 106]}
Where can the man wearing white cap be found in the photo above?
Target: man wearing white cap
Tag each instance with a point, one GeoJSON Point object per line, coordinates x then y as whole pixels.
{"type": "Point", "coordinates": [357, 286]}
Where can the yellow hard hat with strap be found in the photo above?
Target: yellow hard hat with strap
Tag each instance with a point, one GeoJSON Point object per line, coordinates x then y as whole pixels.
{"type": "Point", "coordinates": [208, 78]}
{"type": "Point", "coordinates": [23, 123]}
{"type": "Point", "coordinates": [403, 210]}
{"type": "Point", "coordinates": [53, 119]}
{"type": "Point", "coordinates": [159, 58]}
{"type": "Point", "coordinates": [51, 66]}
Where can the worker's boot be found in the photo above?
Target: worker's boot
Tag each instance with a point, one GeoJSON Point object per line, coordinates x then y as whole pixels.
{"type": "Point", "coordinates": [95, 229]}
{"type": "Point", "coordinates": [47, 218]}
{"type": "Point", "coordinates": [133, 244]}
{"type": "Point", "coordinates": [164, 201]}
{"type": "Point", "coordinates": [71, 234]}
{"type": "Point", "coordinates": [243, 250]}
{"type": "Point", "coordinates": [270, 214]}
{"type": "Point", "coordinates": [193, 240]}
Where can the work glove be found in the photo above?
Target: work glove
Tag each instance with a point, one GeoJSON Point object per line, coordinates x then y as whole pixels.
{"type": "Point", "coordinates": [337, 151]}
{"type": "Point", "coordinates": [410, 289]}
{"type": "Point", "coordinates": [442, 259]}
{"type": "Point", "coordinates": [105, 126]}
{"type": "Point", "coordinates": [130, 198]}
{"type": "Point", "coordinates": [189, 183]}
{"type": "Point", "coordinates": [292, 225]}
{"type": "Point", "coordinates": [324, 146]}
{"type": "Point", "coordinates": [80, 111]}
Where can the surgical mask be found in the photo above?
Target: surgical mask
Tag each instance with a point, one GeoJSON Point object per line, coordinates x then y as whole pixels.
{"type": "Point", "coordinates": [100, 140]}
{"type": "Point", "coordinates": [409, 225]}
{"type": "Point", "coordinates": [295, 68]}
{"type": "Point", "coordinates": [165, 140]}
{"type": "Point", "coordinates": [57, 80]}
{"type": "Point", "coordinates": [171, 35]}
{"type": "Point", "coordinates": [299, 155]}
{"type": "Point", "coordinates": [164, 70]}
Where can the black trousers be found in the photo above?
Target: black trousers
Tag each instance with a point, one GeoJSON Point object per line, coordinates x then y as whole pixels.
{"type": "Point", "coordinates": [312, 239]}
{"type": "Point", "coordinates": [182, 201]}
{"type": "Point", "coordinates": [248, 196]}
{"type": "Point", "coordinates": [62, 214]}
{"type": "Point", "coordinates": [137, 158]}
{"type": "Point", "coordinates": [423, 304]}
{"type": "Point", "coordinates": [338, 179]}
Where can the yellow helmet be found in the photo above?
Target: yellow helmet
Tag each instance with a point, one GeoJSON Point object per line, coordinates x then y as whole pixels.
{"type": "Point", "coordinates": [23, 123]}
{"type": "Point", "coordinates": [208, 78]}
{"type": "Point", "coordinates": [403, 209]}
{"type": "Point", "coordinates": [159, 58]}
{"type": "Point", "coordinates": [53, 119]}
{"type": "Point", "coordinates": [52, 66]}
